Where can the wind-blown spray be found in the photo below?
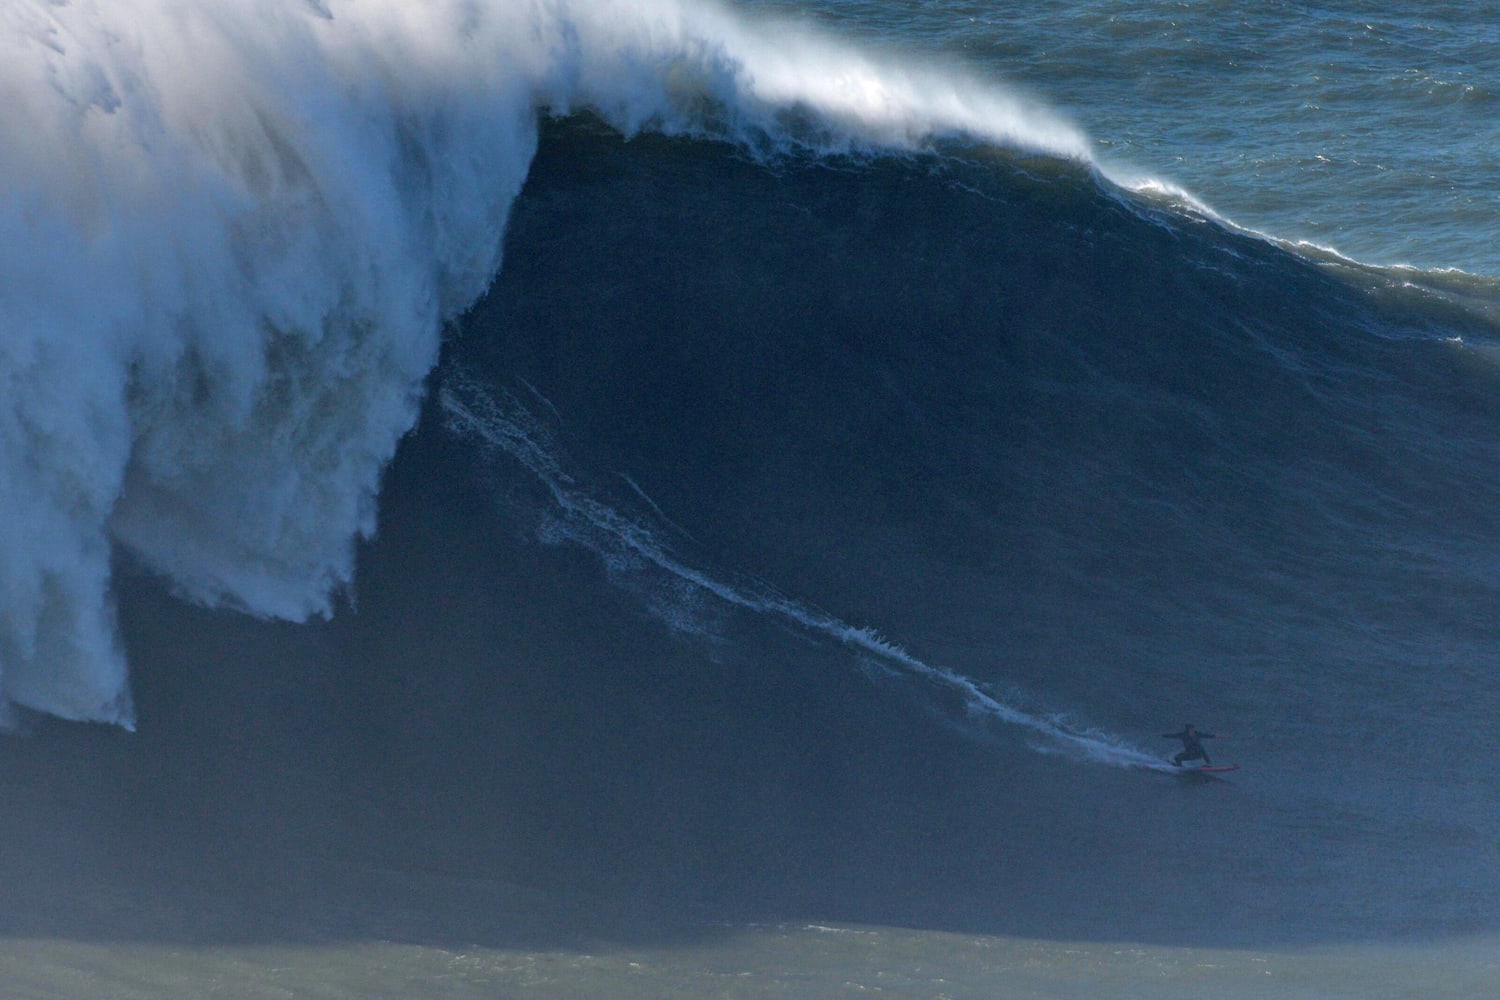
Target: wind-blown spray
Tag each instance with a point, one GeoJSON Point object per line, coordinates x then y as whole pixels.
{"type": "Point", "coordinates": [233, 232]}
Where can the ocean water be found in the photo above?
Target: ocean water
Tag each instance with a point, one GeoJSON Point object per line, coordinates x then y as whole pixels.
{"type": "Point", "coordinates": [648, 498]}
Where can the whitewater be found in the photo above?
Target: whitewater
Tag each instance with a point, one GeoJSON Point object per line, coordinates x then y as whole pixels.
{"type": "Point", "coordinates": [643, 498]}
{"type": "Point", "coordinates": [233, 233]}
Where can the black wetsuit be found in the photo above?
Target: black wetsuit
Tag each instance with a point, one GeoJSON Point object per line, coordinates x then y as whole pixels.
{"type": "Point", "coordinates": [1192, 749]}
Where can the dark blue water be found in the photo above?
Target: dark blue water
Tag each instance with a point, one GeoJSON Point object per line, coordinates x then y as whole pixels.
{"type": "Point", "coordinates": [783, 565]}
{"type": "Point", "coordinates": [957, 409]}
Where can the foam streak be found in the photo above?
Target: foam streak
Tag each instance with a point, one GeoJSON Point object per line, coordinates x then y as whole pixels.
{"type": "Point", "coordinates": [232, 230]}
{"type": "Point", "coordinates": [504, 425]}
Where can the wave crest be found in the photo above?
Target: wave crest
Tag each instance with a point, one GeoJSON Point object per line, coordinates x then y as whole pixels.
{"type": "Point", "coordinates": [233, 232]}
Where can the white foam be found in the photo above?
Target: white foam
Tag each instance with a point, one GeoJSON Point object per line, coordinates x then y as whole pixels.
{"type": "Point", "coordinates": [505, 425]}
{"type": "Point", "coordinates": [230, 233]}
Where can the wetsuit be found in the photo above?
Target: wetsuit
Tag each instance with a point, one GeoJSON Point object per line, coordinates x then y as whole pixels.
{"type": "Point", "coordinates": [1192, 749]}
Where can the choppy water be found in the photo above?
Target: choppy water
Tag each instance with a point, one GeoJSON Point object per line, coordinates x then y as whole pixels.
{"type": "Point", "coordinates": [1349, 124]}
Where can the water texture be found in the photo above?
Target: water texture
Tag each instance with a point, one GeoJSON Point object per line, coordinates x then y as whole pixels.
{"type": "Point", "coordinates": [496, 496]}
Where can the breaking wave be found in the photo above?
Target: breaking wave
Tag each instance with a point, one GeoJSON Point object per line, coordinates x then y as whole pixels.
{"type": "Point", "coordinates": [233, 232]}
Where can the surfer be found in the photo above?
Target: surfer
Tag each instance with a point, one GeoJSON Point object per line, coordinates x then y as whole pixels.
{"type": "Point", "coordinates": [1192, 746]}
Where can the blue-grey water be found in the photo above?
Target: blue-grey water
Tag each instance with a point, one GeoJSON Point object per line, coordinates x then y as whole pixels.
{"type": "Point", "coordinates": [1350, 125]}
{"type": "Point", "coordinates": [663, 499]}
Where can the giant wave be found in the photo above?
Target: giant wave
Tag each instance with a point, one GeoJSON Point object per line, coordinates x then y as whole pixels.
{"type": "Point", "coordinates": [234, 232]}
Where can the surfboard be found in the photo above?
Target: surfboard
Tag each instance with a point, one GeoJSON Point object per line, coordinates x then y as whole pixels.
{"type": "Point", "coordinates": [1167, 767]}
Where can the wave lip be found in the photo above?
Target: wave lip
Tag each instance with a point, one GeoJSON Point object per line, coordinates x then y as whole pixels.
{"type": "Point", "coordinates": [221, 294]}
{"type": "Point", "coordinates": [233, 231]}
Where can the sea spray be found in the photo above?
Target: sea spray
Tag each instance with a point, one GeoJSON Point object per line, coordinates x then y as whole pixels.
{"type": "Point", "coordinates": [234, 232]}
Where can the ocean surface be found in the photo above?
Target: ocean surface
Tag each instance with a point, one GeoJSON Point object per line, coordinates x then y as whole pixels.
{"type": "Point", "coordinates": [647, 498]}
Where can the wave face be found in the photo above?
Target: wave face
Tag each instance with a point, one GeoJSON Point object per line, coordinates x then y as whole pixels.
{"type": "Point", "coordinates": [234, 232]}
{"type": "Point", "coordinates": [1073, 452]}
{"type": "Point", "coordinates": [817, 516]}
